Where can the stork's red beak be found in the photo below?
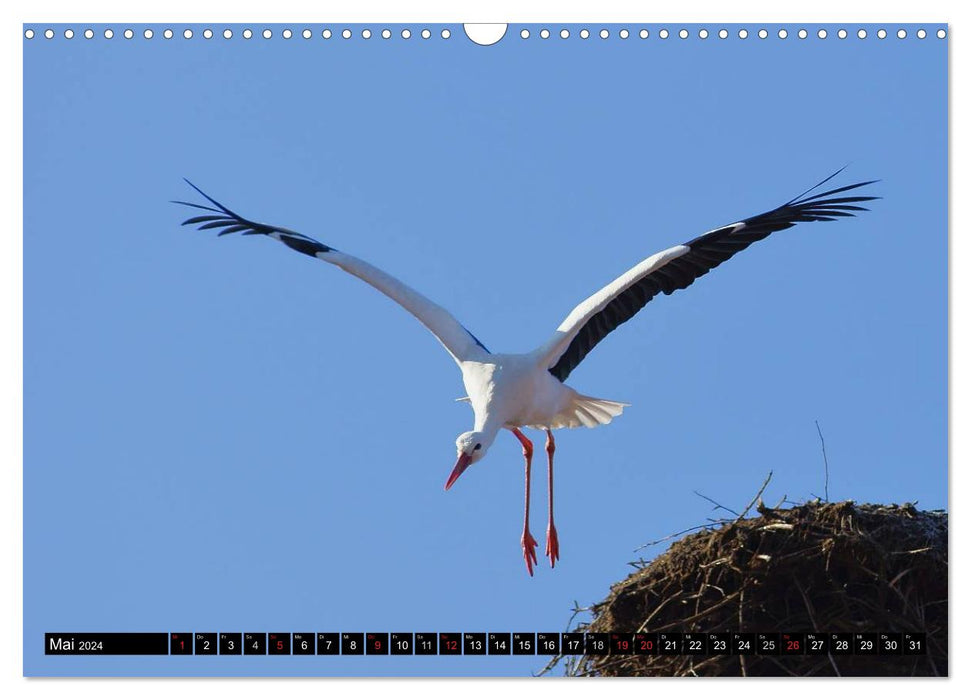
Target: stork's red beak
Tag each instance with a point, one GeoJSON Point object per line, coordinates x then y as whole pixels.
{"type": "Point", "coordinates": [460, 466]}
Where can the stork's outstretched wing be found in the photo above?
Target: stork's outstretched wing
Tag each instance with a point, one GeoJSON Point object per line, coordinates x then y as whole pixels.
{"type": "Point", "coordinates": [459, 342]}
{"type": "Point", "coordinates": [677, 267]}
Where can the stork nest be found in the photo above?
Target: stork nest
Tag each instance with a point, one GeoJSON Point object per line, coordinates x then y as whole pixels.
{"type": "Point", "coordinates": [817, 567]}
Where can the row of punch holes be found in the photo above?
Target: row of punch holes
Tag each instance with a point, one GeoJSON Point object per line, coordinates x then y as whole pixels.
{"type": "Point", "coordinates": [485, 37]}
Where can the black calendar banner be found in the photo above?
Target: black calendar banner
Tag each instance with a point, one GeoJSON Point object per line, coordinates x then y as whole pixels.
{"type": "Point", "coordinates": [482, 643]}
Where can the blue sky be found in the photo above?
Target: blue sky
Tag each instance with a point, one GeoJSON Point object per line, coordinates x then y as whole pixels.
{"type": "Point", "coordinates": [222, 435]}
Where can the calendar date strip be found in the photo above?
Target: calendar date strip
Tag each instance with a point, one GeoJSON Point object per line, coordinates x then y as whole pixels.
{"type": "Point", "coordinates": [480, 643]}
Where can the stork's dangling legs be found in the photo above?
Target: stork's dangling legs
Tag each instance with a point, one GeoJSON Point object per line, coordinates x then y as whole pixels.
{"type": "Point", "coordinates": [552, 542]}
{"type": "Point", "coordinates": [529, 544]}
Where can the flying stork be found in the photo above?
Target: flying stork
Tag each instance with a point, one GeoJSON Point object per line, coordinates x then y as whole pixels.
{"type": "Point", "coordinates": [513, 391]}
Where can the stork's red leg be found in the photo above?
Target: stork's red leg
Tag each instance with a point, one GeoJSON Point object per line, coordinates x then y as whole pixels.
{"type": "Point", "coordinates": [529, 544]}
{"type": "Point", "coordinates": [552, 542]}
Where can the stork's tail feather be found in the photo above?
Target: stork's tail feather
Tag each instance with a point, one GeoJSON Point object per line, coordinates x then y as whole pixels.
{"type": "Point", "coordinates": [589, 412]}
{"type": "Point", "coordinates": [599, 411]}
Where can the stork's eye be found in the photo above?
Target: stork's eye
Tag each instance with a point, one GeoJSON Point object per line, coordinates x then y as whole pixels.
{"type": "Point", "coordinates": [478, 446]}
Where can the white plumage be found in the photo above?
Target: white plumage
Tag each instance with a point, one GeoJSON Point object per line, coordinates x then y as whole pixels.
{"type": "Point", "coordinates": [512, 391]}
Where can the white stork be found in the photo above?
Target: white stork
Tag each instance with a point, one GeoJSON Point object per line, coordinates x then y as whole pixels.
{"type": "Point", "coordinates": [512, 391]}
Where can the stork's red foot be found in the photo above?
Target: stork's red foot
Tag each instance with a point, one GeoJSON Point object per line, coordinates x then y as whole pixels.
{"type": "Point", "coordinates": [552, 545]}
{"type": "Point", "coordinates": [529, 551]}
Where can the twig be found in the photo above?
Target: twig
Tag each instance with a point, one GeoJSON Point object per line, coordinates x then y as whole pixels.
{"type": "Point", "coordinates": [825, 463]}
{"type": "Point", "coordinates": [672, 536]}
{"type": "Point", "coordinates": [576, 611]}
{"type": "Point", "coordinates": [778, 663]}
{"type": "Point", "coordinates": [757, 497]}
{"type": "Point", "coordinates": [715, 503]}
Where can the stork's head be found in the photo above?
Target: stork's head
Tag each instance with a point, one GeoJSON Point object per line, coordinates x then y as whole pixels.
{"type": "Point", "coordinates": [471, 447]}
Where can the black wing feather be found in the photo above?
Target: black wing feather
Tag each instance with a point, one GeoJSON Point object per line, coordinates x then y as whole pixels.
{"type": "Point", "coordinates": [706, 253]}
{"type": "Point", "coordinates": [230, 222]}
